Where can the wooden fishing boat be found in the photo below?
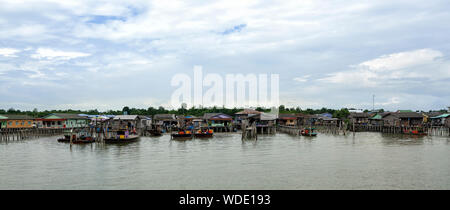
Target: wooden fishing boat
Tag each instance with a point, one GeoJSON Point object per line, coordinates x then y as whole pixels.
{"type": "Point", "coordinates": [308, 132]}
{"type": "Point", "coordinates": [182, 135]}
{"type": "Point", "coordinates": [77, 139]}
{"type": "Point", "coordinates": [128, 139]}
{"type": "Point", "coordinates": [122, 137]}
{"type": "Point", "coordinates": [414, 132]}
{"type": "Point", "coordinates": [204, 133]}
{"type": "Point", "coordinates": [155, 132]}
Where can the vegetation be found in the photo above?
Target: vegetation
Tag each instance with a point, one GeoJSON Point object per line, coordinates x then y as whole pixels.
{"type": "Point", "coordinates": [338, 113]}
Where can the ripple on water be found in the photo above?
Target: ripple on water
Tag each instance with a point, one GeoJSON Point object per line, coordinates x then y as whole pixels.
{"type": "Point", "coordinates": [281, 161]}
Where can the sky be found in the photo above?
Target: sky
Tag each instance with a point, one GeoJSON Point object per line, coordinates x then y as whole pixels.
{"type": "Point", "coordinates": [110, 54]}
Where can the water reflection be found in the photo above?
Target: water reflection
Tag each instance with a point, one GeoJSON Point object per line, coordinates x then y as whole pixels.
{"type": "Point", "coordinates": [402, 139]}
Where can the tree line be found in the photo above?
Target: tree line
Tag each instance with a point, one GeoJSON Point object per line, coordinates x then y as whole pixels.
{"type": "Point", "coordinates": [194, 111]}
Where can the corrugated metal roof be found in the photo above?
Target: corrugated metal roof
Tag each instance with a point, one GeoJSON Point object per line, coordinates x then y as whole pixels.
{"type": "Point", "coordinates": [125, 117]}
{"type": "Point", "coordinates": [164, 116]}
{"type": "Point", "coordinates": [17, 117]}
{"type": "Point", "coordinates": [216, 116]}
{"type": "Point", "coordinates": [248, 111]}
{"type": "Point", "coordinates": [66, 116]}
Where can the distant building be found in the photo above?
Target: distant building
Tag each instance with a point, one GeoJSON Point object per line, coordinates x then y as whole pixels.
{"type": "Point", "coordinates": [16, 121]}
{"type": "Point", "coordinates": [359, 117]}
{"type": "Point", "coordinates": [63, 120]}
{"type": "Point", "coordinates": [377, 119]}
{"type": "Point", "coordinates": [217, 119]}
{"type": "Point", "coordinates": [287, 119]}
{"type": "Point", "coordinates": [428, 115]}
{"type": "Point", "coordinates": [241, 116]}
{"type": "Point", "coordinates": [441, 120]}
{"type": "Point", "coordinates": [403, 119]}
{"type": "Point", "coordinates": [128, 122]}
{"type": "Point", "coordinates": [165, 119]}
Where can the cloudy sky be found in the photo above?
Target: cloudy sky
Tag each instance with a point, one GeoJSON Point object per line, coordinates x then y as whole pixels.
{"type": "Point", "coordinates": [338, 53]}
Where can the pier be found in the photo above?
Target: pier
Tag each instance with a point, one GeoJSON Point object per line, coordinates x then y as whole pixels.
{"type": "Point", "coordinates": [14, 134]}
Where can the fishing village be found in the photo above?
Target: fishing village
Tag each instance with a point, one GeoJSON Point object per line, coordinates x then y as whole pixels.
{"type": "Point", "coordinates": [249, 123]}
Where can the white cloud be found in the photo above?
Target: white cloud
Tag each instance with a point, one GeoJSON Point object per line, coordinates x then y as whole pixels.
{"type": "Point", "coordinates": [8, 52]}
{"type": "Point", "coordinates": [402, 60]}
{"type": "Point", "coordinates": [394, 69]}
{"type": "Point", "coordinates": [145, 42]}
{"type": "Point", "coordinates": [302, 78]}
{"type": "Point", "coordinates": [46, 53]}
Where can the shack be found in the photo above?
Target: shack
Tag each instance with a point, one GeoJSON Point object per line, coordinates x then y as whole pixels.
{"type": "Point", "coordinates": [359, 118]}
{"type": "Point", "coordinates": [166, 120]}
{"type": "Point", "coordinates": [377, 119]}
{"type": "Point", "coordinates": [287, 120]}
{"type": "Point", "coordinates": [328, 121]}
{"type": "Point", "coordinates": [242, 116]}
{"type": "Point", "coordinates": [428, 115]}
{"type": "Point", "coordinates": [265, 123]}
{"type": "Point", "coordinates": [126, 122]}
{"type": "Point", "coordinates": [441, 120]}
{"type": "Point", "coordinates": [218, 121]}
{"type": "Point", "coordinates": [193, 122]}
{"type": "Point", "coordinates": [403, 119]}
{"type": "Point", "coordinates": [303, 119]}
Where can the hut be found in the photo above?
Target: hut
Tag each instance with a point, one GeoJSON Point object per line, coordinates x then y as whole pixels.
{"type": "Point", "coordinates": [166, 120]}
{"type": "Point", "coordinates": [265, 123]}
{"type": "Point", "coordinates": [241, 116]}
{"type": "Point", "coordinates": [403, 119]}
{"type": "Point", "coordinates": [428, 115]}
{"type": "Point", "coordinates": [441, 120]}
{"type": "Point", "coordinates": [16, 121]}
{"type": "Point", "coordinates": [377, 119]}
{"type": "Point", "coordinates": [145, 121]}
{"type": "Point", "coordinates": [126, 122]}
{"type": "Point", "coordinates": [360, 118]}
{"type": "Point", "coordinates": [287, 119]}
{"type": "Point", "coordinates": [218, 121]}
{"type": "Point", "coordinates": [63, 120]}
{"type": "Point", "coordinates": [192, 122]}
{"type": "Point", "coordinates": [328, 121]}
{"type": "Point", "coordinates": [303, 119]}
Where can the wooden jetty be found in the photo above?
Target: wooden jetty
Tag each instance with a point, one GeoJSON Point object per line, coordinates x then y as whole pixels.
{"type": "Point", "coordinates": [14, 134]}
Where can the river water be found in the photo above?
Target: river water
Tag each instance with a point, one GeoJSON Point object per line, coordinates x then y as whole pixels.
{"type": "Point", "coordinates": [366, 161]}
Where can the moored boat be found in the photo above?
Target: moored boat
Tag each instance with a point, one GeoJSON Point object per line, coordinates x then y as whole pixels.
{"type": "Point", "coordinates": [204, 133]}
{"type": "Point", "coordinates": [122, 137]}
{"type": "Point", "coordinates": [308, 132]}
{"type": "Point", "coordinates": [77, 139]}
{"type": "Point", "coordinates": [182, 135]}
{"type": "Point", "coordinates": [414, 132]}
